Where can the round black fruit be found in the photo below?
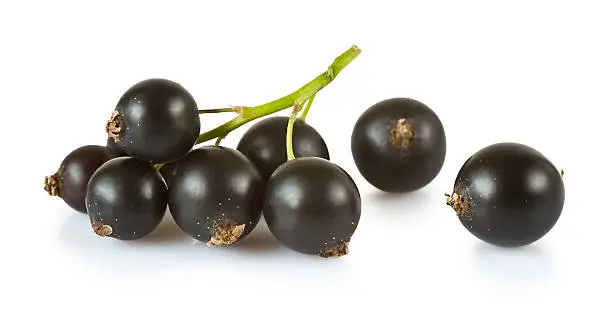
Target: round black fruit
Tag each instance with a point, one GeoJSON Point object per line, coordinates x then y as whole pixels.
{"type": "Point", "coordinates": [265, 145]}
{"type": "Point", "coordinates": [126, 199]}
{"type": "Point", "coordinates": [312, 206]}
{"type": "Point", "coordinates": [70, 180]}
{"type": "Point", "coordinates": [156, 120]}
{"type": "Point", "coordinates": [215, 195]}
{"type": "Point", "coordinates": [399, 145]}
{"type": "Point", "coordinates": [508, 194]}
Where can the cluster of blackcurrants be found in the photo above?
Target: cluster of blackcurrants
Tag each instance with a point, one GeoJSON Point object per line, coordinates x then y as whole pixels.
{"type": "Point", "coordinates": [506, 194]}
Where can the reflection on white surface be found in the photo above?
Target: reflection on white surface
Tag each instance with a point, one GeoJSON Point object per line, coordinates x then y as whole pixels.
{"type": "Point", "coordinates": [529, 266]}
{"type": "Point", "coordinates": [168, 249]}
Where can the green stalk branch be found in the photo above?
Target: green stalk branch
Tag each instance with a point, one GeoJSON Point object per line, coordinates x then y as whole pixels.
{"type": "Point", "coordinates": [289, 138]}
{"type": "Point", "coordinates": [305, 112]}
{"type": "Point", "coordinates": [218, 142]}
{"type": "Point", "coordinates": [297, 98]}
{"type": "Point", "coordinates": [216, 110]}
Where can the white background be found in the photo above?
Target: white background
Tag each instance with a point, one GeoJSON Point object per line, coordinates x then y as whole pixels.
{"type": "Point", "coordinates": [536, 72]}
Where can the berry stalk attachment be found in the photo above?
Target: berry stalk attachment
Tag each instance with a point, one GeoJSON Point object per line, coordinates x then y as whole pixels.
{"type": "Point", "coordinates": [289, 137]}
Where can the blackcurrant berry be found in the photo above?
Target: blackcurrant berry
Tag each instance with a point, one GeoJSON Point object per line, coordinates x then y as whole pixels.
{"type": "Point", "coordinates": [264, 143]}
{"type": "Point", "coordinates": [156, 121]}
{"type": "Point", "coordinates": [70, 180]}
{"type": "Point", "coordinates": [126, 199]}
{"type": "Point", "coordinates": [399, 145]}
{"type": "Point", "coordinates": [312, 206]}
{"type": "Point", "coordinates": [215, 195]}
{"type": "Point", "coordinates": [115, 148]}
{"type": "Point", "coordinates": [508, 194]}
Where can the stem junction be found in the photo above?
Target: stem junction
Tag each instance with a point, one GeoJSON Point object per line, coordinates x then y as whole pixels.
{"type": "Point", "coordinates": [297, 98]}
{"type": "Point", "coordinates": [305, 112]}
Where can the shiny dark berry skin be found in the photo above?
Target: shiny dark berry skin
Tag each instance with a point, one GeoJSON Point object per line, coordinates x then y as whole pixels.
{"type": "Point", "coordinates": [312, 206]}
{"type": "Point", "coordinates": [214, 187]}
{"type": "Point", "coordinates": [265, 145]}
{"type": "Point", "coordinates": [399, 145]}
{"type": "Point", "coordinates": [74, 172]}
{"type": "Point", "coordinates": [126, 199]}
{"type": "Point", "coordinates": [509, 195]}
{"type": "Point", "coordinates": [115, 148]}
{"type": "Point", "coordinates": [159, 121]}
{"type": "Point", "coordinates": [168, 170]}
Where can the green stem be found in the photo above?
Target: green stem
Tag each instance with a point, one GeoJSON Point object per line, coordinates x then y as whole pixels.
{"type": "Point", "coordinates": [218, 142]}
{"type": "Point", "coordinates": [305, 112]}
{"type": "Point", "coordinates": [289, 137]}
{"type": "Point", "coordinates": [298, 98]}
{"type": "Point", "coordinates": [216, 110]}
